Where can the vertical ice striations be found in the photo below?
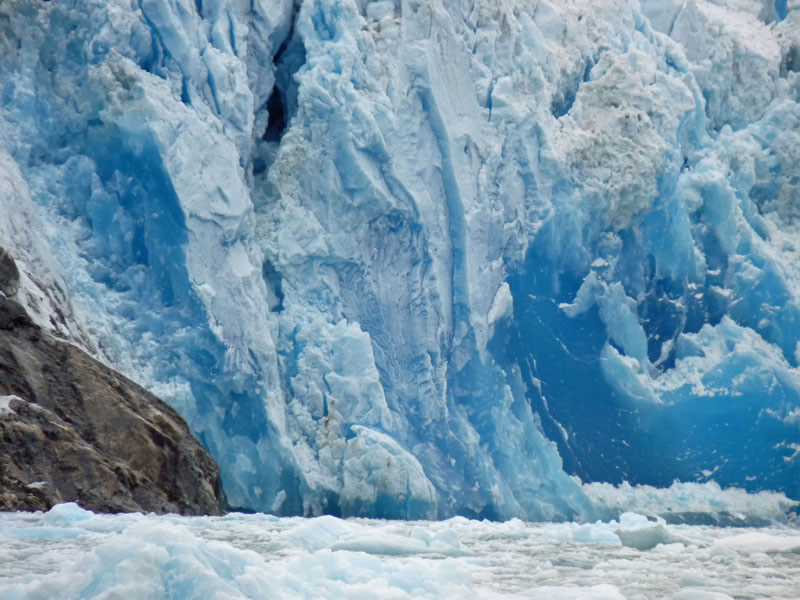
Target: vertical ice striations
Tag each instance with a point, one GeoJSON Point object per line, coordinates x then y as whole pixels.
{"type": "Point", "coordinates": [377, 253]}
{"type": "Point", "coordinates": [133, 125]}
{"type": "Point", "coordinates": [385, 216]}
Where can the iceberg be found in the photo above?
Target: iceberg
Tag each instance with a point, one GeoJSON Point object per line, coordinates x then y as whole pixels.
{"type": "Point", "coordinates": [410, 259]}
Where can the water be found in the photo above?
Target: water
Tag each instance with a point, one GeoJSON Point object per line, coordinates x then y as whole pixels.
{"type": "Point", "coordinates": [70, 553]}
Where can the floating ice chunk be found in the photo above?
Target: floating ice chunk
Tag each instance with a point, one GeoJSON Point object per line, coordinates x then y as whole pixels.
{"type": "Point", "coordinates": [637, 531]}
{"type": "Point", "coordinates": [595, 592]}
{"type": "Point", "coordinates": [416, 542]}
{"type": "Point", "coordinates": [631, 520]}
{"type": "Point", "coordinates": [700, 595]}
{"type": "Point", "coordinates": [67, 514]}
{"type": "Point", "coordinates": [601, 533]}
{"type": "Point", "coordinates": [317, 533]}
{"type": "Point", "coordinates": [761, 542]}
{"type": "Point", "coordinates": [646, 538]}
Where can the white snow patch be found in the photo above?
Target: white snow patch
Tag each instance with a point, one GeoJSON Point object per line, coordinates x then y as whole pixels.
{"type": "Point", "coordinates": [502, 305]}
{"type": "Point", "coordinates": [5, 404]}
{"type": "Point", "coordinates": [768, 543]}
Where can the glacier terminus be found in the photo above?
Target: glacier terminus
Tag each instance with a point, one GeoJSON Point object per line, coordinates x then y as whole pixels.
{"type": "Point", "coordinates": [423, 258]}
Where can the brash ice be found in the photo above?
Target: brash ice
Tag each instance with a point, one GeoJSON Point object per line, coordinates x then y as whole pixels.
{"type": "Point", "coordinates": [423, 258]}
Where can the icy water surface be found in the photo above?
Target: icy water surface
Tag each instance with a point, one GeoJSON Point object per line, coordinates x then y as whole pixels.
{"type": "Point", "coordinates": [70, 553]}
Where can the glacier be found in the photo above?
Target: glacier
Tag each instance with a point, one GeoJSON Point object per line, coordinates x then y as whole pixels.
{"type": "Point", "coordinates": [411, 259]}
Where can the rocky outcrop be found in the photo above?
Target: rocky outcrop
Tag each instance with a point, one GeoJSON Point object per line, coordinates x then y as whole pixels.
{"type": "Point", "coordinates": [72, 429]}
{"type": "Point", "coordinates": [9, 274]}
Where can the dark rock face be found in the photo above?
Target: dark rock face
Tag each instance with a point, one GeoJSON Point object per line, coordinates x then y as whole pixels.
{"type": "Point", "coordinates": [9, 275]}
{"type": "Point", "coordinates": [72, 429]}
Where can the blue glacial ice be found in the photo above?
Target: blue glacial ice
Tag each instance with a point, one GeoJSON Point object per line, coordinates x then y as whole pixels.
{"type": "Point", "coordinates": [417, 259]}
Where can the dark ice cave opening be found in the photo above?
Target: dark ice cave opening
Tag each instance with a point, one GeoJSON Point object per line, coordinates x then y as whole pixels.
{"type": "Point", "coordinates": [277, 117]}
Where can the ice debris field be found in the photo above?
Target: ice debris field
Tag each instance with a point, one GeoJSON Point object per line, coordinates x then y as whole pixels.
{"type": "Point", "coordinates": [69, 553]}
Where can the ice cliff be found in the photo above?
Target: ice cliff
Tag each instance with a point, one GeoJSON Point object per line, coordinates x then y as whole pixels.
{"type": "Point", "coordinates": [402, 258]}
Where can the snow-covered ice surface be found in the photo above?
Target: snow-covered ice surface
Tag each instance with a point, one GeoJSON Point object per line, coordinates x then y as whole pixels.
{"type": "Point", "coordinates": [403, 258]}
{"type": "Point", "coordinates": [68, 553]}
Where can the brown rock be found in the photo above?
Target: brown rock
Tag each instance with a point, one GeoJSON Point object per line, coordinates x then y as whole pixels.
{"type": "Point", "coordinates": [72, 429]}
